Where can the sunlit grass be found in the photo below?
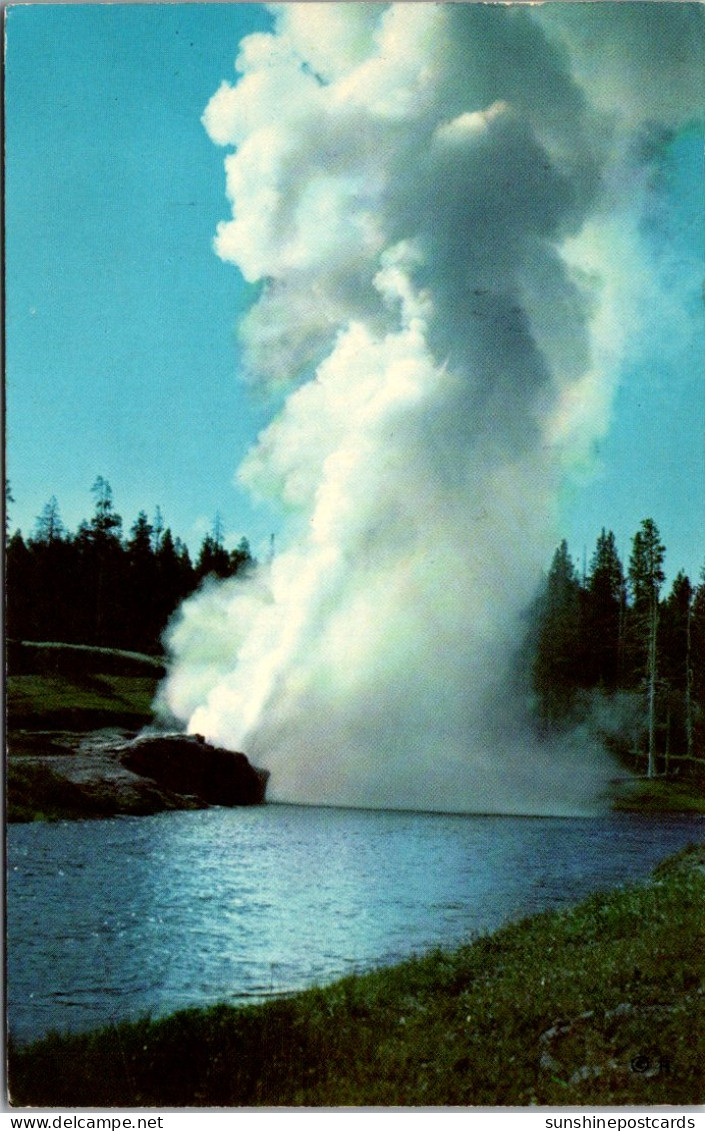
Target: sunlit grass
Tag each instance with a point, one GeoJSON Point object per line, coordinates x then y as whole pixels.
{"type": "Point", "coordinates": [45, 700]}
{"type": "Point", "coordinates": [601, 1005]}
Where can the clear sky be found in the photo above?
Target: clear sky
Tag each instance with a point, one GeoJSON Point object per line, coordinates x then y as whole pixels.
{"type": "Point", "coordinates": [120, 342]}
{"type": "Point", "coordinates": [652, 460]}
{"type": "Point", "coordinates": [121, 355]}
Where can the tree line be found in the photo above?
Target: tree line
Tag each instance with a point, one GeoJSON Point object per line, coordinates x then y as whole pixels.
{"type": "Point", "coordinates": [612, 630]}
{"type": "Point", "coordinates": [103, 587]}
{"type": "Point", "coordinates": [607, 633]}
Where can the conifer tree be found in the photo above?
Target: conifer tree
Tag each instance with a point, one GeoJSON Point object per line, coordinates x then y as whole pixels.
{"type": "Point", "coordinates": [646, 576]}
{"type": "Point", "coordinates": [241, 557]}
{"type": "Point", "coordinates": [157, 530]}
{"type": "Point", "coordinates": [102, 567]}
{"type": "Point", "coordinates": [141, 584]}
{"type": "Point", "coordinates": [697, 667]}
{"type": "Point", "coordinates": [49, 527]}
{"type": "Point", "coordinates": [605, 605]}
{"type": "Point", "coordinates": [555, 667]}
{"type": "Point", "coordinates": [213, 558]}
{"type": "Point", "coordinates": [9, 498]}
{"type": "Point", "coordinates": [19, 589]}
{"type": "Point", "coordinates": [675, 663]}
{"type": "Point", "coordinates": [54, 580]}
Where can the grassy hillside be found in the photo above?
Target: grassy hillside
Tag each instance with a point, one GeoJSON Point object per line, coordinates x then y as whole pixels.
{"type": "Point", "coordinates": [598, 1005]}
{"type": "Point", "coordinates": [59, 686]}
{"type": "Point", "coordinates": [80, 702]}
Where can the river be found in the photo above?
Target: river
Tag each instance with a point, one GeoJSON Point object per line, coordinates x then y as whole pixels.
{"type": "Point", "coordinates": [110, 920]}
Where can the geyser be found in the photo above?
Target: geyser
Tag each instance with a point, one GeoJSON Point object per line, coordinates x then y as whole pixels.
{"type": "Point", "coordinates": [422, 193]}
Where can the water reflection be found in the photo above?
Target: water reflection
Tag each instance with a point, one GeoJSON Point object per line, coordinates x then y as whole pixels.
{"type": "Point", "coordinates": [114, 919]}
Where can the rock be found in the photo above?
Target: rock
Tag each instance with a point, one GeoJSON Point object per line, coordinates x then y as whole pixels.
{"type": "Point", "coordinates": [621, 1010]}
{"type": "Point", "coordinates": [591, 1072]}
{"type": "Point", "coordinates": [74, 786]}
{"type": "Point", "coordinates": [187, 765]}
{"type": "Point", "coordinates": [72, 775]}
{"type": "Point", "coordinates": [548, 1063]}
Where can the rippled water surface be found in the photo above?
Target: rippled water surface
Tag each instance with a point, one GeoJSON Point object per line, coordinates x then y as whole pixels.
{"type": "Point", "coordinates": [114, 919]}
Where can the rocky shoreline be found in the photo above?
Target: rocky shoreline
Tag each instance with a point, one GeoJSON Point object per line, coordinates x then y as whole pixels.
{"type": "Point", "coordinates": [112, 772]}
{"type": "Point", "coordinates": [80, 741]}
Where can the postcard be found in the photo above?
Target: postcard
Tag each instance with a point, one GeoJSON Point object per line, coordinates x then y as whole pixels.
{"type": "Point", "coordinates": [355, 576]}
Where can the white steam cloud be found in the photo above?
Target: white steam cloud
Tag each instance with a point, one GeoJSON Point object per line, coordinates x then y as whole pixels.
{"type": "Point", "coordinates": [438, 202]}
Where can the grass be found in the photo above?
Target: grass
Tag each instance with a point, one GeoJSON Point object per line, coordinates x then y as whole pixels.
{"type": "Point", "coordinates": [660, 796]}
{"type": "Point", "coordinates": [80, 701]}
{"type": "Point", "coordinates": [597, 1005]}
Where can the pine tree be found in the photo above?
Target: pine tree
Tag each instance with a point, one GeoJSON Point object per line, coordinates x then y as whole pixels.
{"type": "Point", "coordinates": [646, 576]}
{"type": "Point", "coordinates": [157, 530]}
{"type": "Point", "coordinates": [105, 522]}
{"type": "Point", "coordinates": [141, 585]}
{"type": "Point", "coordinates": [176, 577]}
{"type": "Point", "coordinates": [604, 615]}
{"type": "Point", "coordinates": [697, 667]}
{"type": "Point", "coordinates": [675, 661]}
{"type": "Point", "coordinates": [555, 670]}
{"type": "Point", "coordinates": [213, 558]}
{"type": "Point", "coordinates": [103, 570]}
{"type": "Point", "coordinates": [49, 527]}
{"type": "Point", "coordinates": [9, 498]}
{"type": "Point", "coordinates": [140, 543]}
{"type": "Point", "coordinates": [241, 557]}
{"type": "Point", "coordinates": [19, 583]}
{"type": "Point", "coordinates": [54, 583]}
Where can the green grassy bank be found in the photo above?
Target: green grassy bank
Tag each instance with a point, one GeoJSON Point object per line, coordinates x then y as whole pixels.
{"type": "Point", "coordinates": [659, 795]}
{"type": "Point", "coordinates": [601, 1004]}
{"type": "Point", "coordinates": [62, 686]}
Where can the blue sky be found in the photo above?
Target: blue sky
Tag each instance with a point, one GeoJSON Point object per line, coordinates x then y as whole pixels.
{"type": "Point", "coordinates": [652, 460]}
{"type": "Point", "coordinates": [121, 356]}
{"type": "Point", "coordinates": [120, 343]}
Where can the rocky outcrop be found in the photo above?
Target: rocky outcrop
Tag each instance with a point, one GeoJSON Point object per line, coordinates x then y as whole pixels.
{"type": "Point", "coordinates": [105, 773]}
{"type": "Point", "coordinates": [187, 765]}
{"type": "Point", "coordinates": [73, 714]}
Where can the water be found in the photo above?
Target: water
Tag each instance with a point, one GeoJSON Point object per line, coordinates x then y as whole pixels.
{"type": "Point", "coordinates": [114, 919]}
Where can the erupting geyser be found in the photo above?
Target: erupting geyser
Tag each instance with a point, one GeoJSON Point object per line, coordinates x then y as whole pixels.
{"type": "Point", "coordinates": [440, 205]}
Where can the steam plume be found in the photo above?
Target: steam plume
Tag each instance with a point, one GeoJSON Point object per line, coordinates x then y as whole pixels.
{"type": "Point", "coordinates": [438, 202]}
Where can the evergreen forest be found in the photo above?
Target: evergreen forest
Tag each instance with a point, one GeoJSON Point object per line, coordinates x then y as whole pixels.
{"type": "Point", "coordinates": [606, 645]}
{"type": "Point", "coordinates": [610, 647]}
{"type": "Point", "coordinates": [101, 587]}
